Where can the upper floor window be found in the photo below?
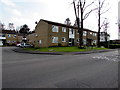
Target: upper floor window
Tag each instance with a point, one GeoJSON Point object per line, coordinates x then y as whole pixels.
{"type": "Point", "coordinates": [71, 31]}
{"type": "Point", "coordinates": [94, 34]}
{"type": "Point", "coordinates": [9, 35]}
{"type": "Point", "coordinates": [54, 39]}
{"type": "Point", "coordinates": [90, 32]}
{"type": "Point", "coordinates": [54, 28]}
{"type": "Point", "coordinates": [84, 33]}
{"type": "Point", "coordinates": [63, 29]}
{"type": "Point", "coordinates": [14, 36]}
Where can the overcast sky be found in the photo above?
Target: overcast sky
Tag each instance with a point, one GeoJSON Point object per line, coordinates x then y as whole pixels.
{"type": "Point", "coordinates": [27, 12]}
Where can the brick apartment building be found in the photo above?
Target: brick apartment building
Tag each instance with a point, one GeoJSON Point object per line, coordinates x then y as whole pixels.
{"type": "Point", "coordinates": [10, 37]}
{"type": "Point", "coordinates": [48, 33]}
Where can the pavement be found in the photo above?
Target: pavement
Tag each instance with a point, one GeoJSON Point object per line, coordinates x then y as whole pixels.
{"type": "Point", "coordinates": [21, 50]}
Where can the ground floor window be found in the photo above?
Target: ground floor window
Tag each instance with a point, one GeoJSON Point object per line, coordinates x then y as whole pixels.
{"type": "Point", "coordinates": [8, 41]}
{"type": "Point", "coordinates": [54, 39]}
{"type": "Point", "coordinates": [63, 39]}
{"type": "Point", "coordinates": [40, 41]}
{"type": "Point", "coordinates": [84, 41]}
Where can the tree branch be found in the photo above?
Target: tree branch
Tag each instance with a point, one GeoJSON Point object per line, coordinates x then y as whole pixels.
{"type": "Point", "coordinates": [89, 5]}
{"type": "Point", "coordinates": [105, 11]}
{"type": "Point", "coordinates": [84, 3]}
{"type": "Point", "coordinates": [75, 9]}
{"type": "Point", "coordinates": [102, 4]}
{"type": "Point", "coordinates": [87, 14]}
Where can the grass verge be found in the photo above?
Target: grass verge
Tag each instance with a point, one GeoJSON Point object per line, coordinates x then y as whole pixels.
{"type": "Point", "coordinates": [63, 49]}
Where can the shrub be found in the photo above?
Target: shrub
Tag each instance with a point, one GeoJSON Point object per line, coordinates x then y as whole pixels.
{"type": "Point", "coordinates": [114, 46]}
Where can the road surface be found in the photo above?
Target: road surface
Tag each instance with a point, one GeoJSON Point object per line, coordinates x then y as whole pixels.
{"type": "Point", "coordinates": [95, 70]}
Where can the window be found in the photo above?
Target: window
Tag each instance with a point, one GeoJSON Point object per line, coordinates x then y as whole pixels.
{"type": "Point", "coordinates": [77, 40]}
{"type": "Point", "coordinates": [3, 35]}
{"type": "Point", "coordinates": [77, 31]}
{"type": "Point", "coordinates": [13, 41]}
{"type": "Point", "coordinates": [94, 34]}
{"type": "Point", "coordinates": [63, 29]}
{"type": "Point", "coordinates": [8, 41]}
{"type": "Point", "coordinates": [63, 39]}
{"type": "Point", "coordinates": [40, 41]}
{"type": "Point", "coordinates": [95, 41]}
{"type": "Point", "coordinates": [9, 35]}
{"type": "Point", "coordinates": [84, 33]}
{"type": "Point", "coordinates": [54, 28]}
{"type": "Point", "coordinates": [71, 31]}
{"type": "Point", "coordinates": [84, 41]}
{"type": "Point", "coordinates": [14, 36]}
{"type": "Point", "coordinates": [54, 39]}
{"type": "Point", "coordinates": [90, 32]}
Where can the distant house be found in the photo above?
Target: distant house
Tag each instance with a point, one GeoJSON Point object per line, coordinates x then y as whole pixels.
{"type": "Point", "coordinates": [104, 36]}
{"type": "Point", "coordinates": [2, 38]}
{"type": "Point", "coordinates": [11, 37]}
{"type": "Point", "coordinates": [48, 33]}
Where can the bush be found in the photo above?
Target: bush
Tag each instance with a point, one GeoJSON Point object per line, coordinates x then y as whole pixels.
{"type": "Point", "coordinates": [114, 46]}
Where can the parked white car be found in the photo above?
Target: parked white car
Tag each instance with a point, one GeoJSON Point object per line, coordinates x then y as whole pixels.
{"type": "Point", "coordinates": [18, 45]}
{"type": "Point", "coordinates": [25, 45]}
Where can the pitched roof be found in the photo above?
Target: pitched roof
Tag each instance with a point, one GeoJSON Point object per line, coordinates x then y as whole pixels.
{"type": "Point", "coordinates": [64, 25]}
{"type": "Point", "coordinates": [9, 31]}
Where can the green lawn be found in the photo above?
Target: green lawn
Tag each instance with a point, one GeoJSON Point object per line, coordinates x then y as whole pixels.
{"type": "Point", "coordinates": [63, 49]}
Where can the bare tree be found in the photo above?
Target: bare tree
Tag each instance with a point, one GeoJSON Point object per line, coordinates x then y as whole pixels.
{"type": "Point", "coordinates": [80, 10]}
{"type": "Point", "coordinates": [11, 26]}
{"type": "Point", "coordinates": [67, 21]}
{"type": "Point", "coordinates": [100, 11]}
{"type": "Point", "coordinates": [2, 26]}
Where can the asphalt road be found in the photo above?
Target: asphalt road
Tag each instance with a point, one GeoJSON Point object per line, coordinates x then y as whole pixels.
{"type": "Point", "coordinates": [96, 70]}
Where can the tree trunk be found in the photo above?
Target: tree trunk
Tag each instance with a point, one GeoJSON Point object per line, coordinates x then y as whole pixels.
{"type": "Point", "coordinates": [81, 31]}
{"type": "Point", "coordinates": [98, 44]}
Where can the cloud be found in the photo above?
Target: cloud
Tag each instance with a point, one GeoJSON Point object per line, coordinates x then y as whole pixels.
{"type": "Point", "coordinates": [8, 3]}
{"type": "Point", "coordinates": [16, 12]}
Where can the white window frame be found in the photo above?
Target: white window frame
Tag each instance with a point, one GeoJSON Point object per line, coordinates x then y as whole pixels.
{"type": "Point", "coordinates": [8, 41]}
{"type": "Point", "coordinates": [77, 40]}
{"type": "Point", "coordinates": [13, 41]}
{"type": "Point", "coordinates": [63, 39]}
{"type": "Point", "coordinates": [91, 33]}
{"type": "Point", "coordinates": [40, 41]}
{"type": "Point", "coordinates": [9, 35]}
{"type": "Point", "coordinates": [84, 33]}
{"type": "Point", "coordinates": [84, 41]}
{"type": "Point", "coordinates": [55, 28]}
{"type": "Point", "coordinates": [54, 39]}
{"type": "Point", "coordinates": [14, 36]}
{"type": "Point", "coordinates": [95, 41]}
{"type": "Point", "coordinates": [77, 31]}
{"type": "Point", "coordinates": [64, 29]}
